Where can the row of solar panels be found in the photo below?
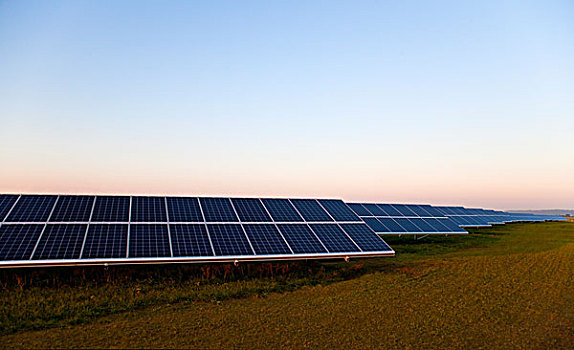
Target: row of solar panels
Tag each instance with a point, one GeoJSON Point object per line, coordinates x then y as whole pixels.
{"type": "Point", "coordinates": [392, 219]}
{"type": "Point", "coordinates": [76, 230]}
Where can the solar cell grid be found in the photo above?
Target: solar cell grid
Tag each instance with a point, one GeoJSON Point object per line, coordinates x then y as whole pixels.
{"type": "Point", "coordinates": [392, 225]}
{"type": "Point", "coordinates": [390, 210]}
{"type": "Point", "coordinates": [111, 209]}
{"type": "Point", "coordinates": [408, 225]}
{"type": "Point", "coordinates": [183, 209]}
{"type": "Point", "coordinates": [403, 209]}
{"type": "Point", "coordinates": [374, 209]}
{"type": "Point", "coordinates": [229, 240]}
{"type": "Point", "coordinates": [359, 209]}
{"type": "Point", "coordinates": [266, 239]}
{"type": "Point", "coordinates": [6, 203]}
{"type": "Point", "coordinates": [338, 210]}
{"type": "Point", "coordinates": [106, 241]}
{"type": "Point", "coordinates": [311, 210]}
{"type": "Point", "coordinates": [73, 209]}
{"type": "Point", "coordinates": [61, 241]}
{"type": "Point", "coordinates": [32, 208]}
{"type": "Point", "coordinates": [17, 241]}
{"type": "Point", "coordinates": [282, 210]}
{"type": "Point", "coordinates": [301, 239]}
{"type": "Point", "coordinates": [148, 209]}
{"type": "Point", "coordinates": [365, 238]}
{"type": "Point", "coordinates": [190, 240]}
{"type": "Point", "coordinates": [218, 210]}
{"type": "Point", "coordinates": [148, 240]}
{"type": "Point", "coordinates": [334, 239]}
{"type": "Point", "coordinates": [250, 210]}
{"type": "Point", "coordinates": [376, 225]}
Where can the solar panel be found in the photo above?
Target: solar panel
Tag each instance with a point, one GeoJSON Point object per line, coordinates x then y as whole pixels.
{"type": "Point", "coordinates": [374, 209]}
{"type": "Point", "coordinates": [408, 225]}
{"type": "Point", "coordinates": [359, 209]}
{"type": "Point", "coordinates": [376, 225]}
{"type": "Point", "coordinates": [218, 210]}
{"type": "Point", "coordinates": [60, 241]}
{"type": "Point", "coordinates": [148, 241]}
{"type": "Point", "coordinates": [404, 210]}
{"type": "Point", "coordinates": [390, 210]}
{"type": "Point", "coordinates": [364, 238]}
{"type": "Point", "coordinates": [73, 209]}
{"type": "Point", "coordinates": [32, 208]}
{"type": "Point", "coordinates": [339, 210]}
{"type": "Point", "coordinates": [334, 239]}
{"type": "Point", "coordinates": [106, 241]}
{"type": "Point", "coordinates": [148, 209]}
{"type": "Point", "coordinates": [266, 239]}
{"type": "Point", "coordinates": [301, 239]}
{"type": "Point", "coordinates": [311, 210]}
{"type": "Point", "coordinates": [229, 240]}
{"type": "Point", "coordinates": [250, 210]}
{"type": "Point", "coordinates": [6, 203]}
{"type": "Point", "coordinates": [111, 209]}
{"type": "Point", "coordinates": [183, 209]}
{"type": "Point", "coordinates": [281, 210]}
{"type": "Point", "coordinates": [17, 241]}
{"type": "Point", "coordinates": [190, 240]}
{"type": "Point", "coordinates": [392, 225]}
{"type": "Point", "coordinates": [422, 225]}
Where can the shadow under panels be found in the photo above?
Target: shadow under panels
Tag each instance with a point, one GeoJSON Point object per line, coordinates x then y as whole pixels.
{"type": "Point", "coordinates": [52, 230]}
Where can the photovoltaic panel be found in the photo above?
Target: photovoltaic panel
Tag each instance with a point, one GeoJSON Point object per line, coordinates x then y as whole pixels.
{"type": "Point", "coordinates": [111, 209]}
{"type": "Point", "coordinates": [334, 239]}
{"type": "Point", "coordinates": [266, 239]}
{"type": "Point", "coordinates": [148, 209]}
{"type": "Point", "coordinates": [32, 208]}
{"type": "Point", "coordinates": [365, 238]}
{"type": "Point", "coordinates": [17, 241]}
{"type": "Point", "coordinates": [106, 241]}
{"type": "Point", "coordinates": [73, 209]}
{"type": "Point", "coordinates": [218, 210]}
{"type": "Point", "coordinates": [148, 240]}
{"type": "Point", "coordinates": [281, 210]}
{"type": "Point", "coordinates": [61, 241]}
{"type": "Point", "coordinates": [182, 209]}
{"type": "Point", "coordinates": [390, 210]}
{"type": "Point", "coordinates": [422, 225]}
{"type": "Point", "coordinates": [392, 225]}
{"type": "Point", "coordinates": [374, 209]}
{"type": "Point", "coordinates": [339, 210]}
{"type": "Point", "coordinates": [311, 210]}
{"type": "Point", "coordinates": [229, 240]}
{"type": "Point", "coordinates": [419, 210]}
{"type": "Point", "coordinates": [301, 239]}
{"type": "Point", "coordinates": [190, 240]}
{"type": "Point", "coordinates": [250, 210]}
{"type": "Point", "coordinates": [408, 225]}
{"type": "Point", "coordinates": [376, 225]}
{"type": "Point", "coordinates": [6, 203]}
{"type": "Point", "coordinates": [359, 209]}
{"type": "Point", "coordinates": [403, 209]}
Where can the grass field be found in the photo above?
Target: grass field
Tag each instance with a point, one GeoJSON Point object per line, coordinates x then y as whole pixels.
{"type": "Point", "coordinates": [508, 286]}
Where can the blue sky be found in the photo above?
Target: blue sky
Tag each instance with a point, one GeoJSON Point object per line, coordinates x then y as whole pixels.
{"type": "Point", "coordinates": [441, 102]}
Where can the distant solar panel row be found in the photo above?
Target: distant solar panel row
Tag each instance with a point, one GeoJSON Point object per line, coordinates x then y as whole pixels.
{"type": "Point", "coordinates": [60, 230]}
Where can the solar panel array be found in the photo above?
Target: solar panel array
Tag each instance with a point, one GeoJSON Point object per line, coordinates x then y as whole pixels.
{"type": "Point", "coordinates": [83, 230]}
{"type": "Point", "coordinates": [405, 219]}
{"type": "Point", "coordinates": [476, 217]}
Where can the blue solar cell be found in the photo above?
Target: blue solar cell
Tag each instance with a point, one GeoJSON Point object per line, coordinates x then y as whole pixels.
{"type": "Point", "coordinates": [374, 209]}
{"type": "Point", "coordinates": [61, 241]}
{"type": "Point", "coordinates": [422, 225]}
{"type": "Point", "coordinates": [376, 225]}
{"type": "Point", "coordinates": [148, 241]}
{"type": "Point", "coordinates": [365, 238]}
{"type": "Point", "coordinates": [32, 208]}
{"type": "Point", "coordinates": [250, 210]}
{"type": "Point", "coordinates": [266, 239]}
{"type": "Point", "coordinates": [106, 241]}
{"type": "Point", "coordinates": [333, 238]}
{"type": "Point", "coordinates": [6, 203]}
{"type": "Point", "coordinates": [408, 225]}
{"type": "Point", "coordinates": [339, 210]}
{"type": "Point", "coordinates": [229, 240]}
{"type": "Point", "coordinates": [111, 209]}
{"type": "Point", "coordinates": [282, 210]}
{"type": "Point", "coordinates": [403, 209]}
{"type": "Point", "coordinates": [184, 209]}
{"type": "Point", "coordinates": [148, 209]}
{"type": "Point", "coordinates": [190, 240]}
{"type": "Point", "coordinates": [311, 210]}
{"type": "Point", "coordinates": [73, 209]}
{"type": "Point", "coordinates": [419, 210]}
{"type": "Point", "coordinates": [301, 239]}
{"type": "Point", "coordinates": [392, 225]}
{"type": "Point", "coordinates": [390, 210]}
{"type": "Point", "coordinates": [359, 209]}
{"type": "Point", "coordinates": [17, 241]}
{"type": "Point", "coordinates": [434, 212]}
{"type": "Point", "coordinates": [218, 210]}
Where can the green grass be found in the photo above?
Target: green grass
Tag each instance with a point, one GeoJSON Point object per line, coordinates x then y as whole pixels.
{"type": "Point", "coordinates": [505, 286]}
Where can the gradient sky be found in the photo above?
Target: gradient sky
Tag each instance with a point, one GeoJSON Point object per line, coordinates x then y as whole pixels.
{"type": "Point", "coordinates": [441, 102]}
